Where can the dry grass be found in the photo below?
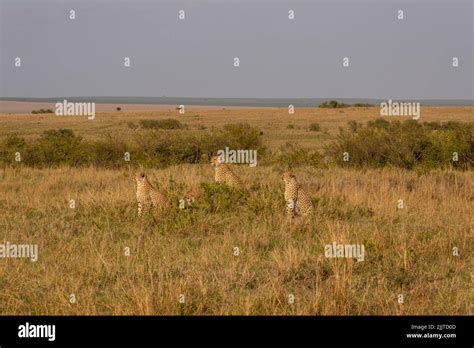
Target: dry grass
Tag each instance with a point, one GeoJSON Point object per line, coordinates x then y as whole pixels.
{"type": "Point", "coordinates": [191, 251]}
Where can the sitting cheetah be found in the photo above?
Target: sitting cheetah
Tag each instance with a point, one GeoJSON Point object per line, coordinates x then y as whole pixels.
{"type": "Point", "coordinates": [147, 195]}
{"type": "Point", "coordinates": [298, 202]}
{"type": "Point", "coordinates": [224, 174]}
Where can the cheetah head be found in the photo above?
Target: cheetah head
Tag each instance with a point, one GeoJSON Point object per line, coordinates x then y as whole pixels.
{"type": "Point", "coordinates": [140, 177]}
{"type": "Point", "coordinates": [190, 198]}
{"type": "Point", "coordinates": [215, 161]}
{"type": "Point", "coordinates": [288, 176]}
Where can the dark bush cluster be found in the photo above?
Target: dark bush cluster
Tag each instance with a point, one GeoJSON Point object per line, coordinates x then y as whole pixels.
{"type": "Point", "coordinates": [378, 143]}
{"type": "Point", "coordinates": [315, 127]}
{"type": "Point", "coordinates": [333, 104]}
{"type": "Point", "coordinates": [405, 144]}
{"type": "Point", "coordinates": [293, 155]}
{"type": "Point", "coordinates": [150, 148]}
{"type": "Point", "coordinates": [362, 105]}
{"type": "Point", "coordinates": [43, 111]}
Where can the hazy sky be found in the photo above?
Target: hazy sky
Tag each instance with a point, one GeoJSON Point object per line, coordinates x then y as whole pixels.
{"type": "Point", "coordinates": [279, 58]}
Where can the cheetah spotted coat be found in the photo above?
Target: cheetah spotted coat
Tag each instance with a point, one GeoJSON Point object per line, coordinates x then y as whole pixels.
{"type": "Point", "coordinates": [147, 195]}
{"type": "Point", "coordinates": [223, 173]}
{"type": "Point", "coordinates": [298, 202]}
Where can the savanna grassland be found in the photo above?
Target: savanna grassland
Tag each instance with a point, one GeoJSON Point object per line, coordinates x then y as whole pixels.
{"type": "Point", "coordinates": [192, 251]}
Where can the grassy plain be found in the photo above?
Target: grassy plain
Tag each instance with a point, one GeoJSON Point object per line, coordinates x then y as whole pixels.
{"type": "Point", "coordinates": [192, 251]}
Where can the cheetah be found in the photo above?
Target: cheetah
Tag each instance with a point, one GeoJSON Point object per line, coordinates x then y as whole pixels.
{"type": "Point", "coordinates": [224, 174]}
{"type": "Point", "coordinates": [188, 200]}
{"type": "Point", "coordinates": [298, 202]}
{"type": "Point", "coordinates": [147, 195]}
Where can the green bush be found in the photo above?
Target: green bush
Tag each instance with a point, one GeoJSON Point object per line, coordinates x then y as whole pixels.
{"type": "Point", "coordinates": [54, 146]}
{"type": "Point", "coordinates": [404, 144]}
{"type": "Point", "coordinates": [293, 155]}
{"type": "Point", "coordinates": [42, 111]}
{"type": "Point", "coordinates": [219, 198]}
{"type": "Point", "coordinates": [106, 153]}
{"type": "Point", "coordinates": [378, 143]}
{"type": "Point", "coordinates": [14, 141]}
{"type": "Point", "coordinates": [12, 144]}
{"type": "Point", "coordinates": [378, 123]}
{"type": "Point", "coordinates": [333, 104]}
{"type": "Point", "coordinates": [241, 136]}
{"type": "Point", "coordinates": [151, 148]}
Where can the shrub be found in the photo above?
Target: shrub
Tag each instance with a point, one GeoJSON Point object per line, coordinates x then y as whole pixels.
{"type": "Point", "coordinates": [12, 144]}
{"type": "Point", "coordinates": [14, 140]}
{"type": "Point", "coordinates": [315, 127]}
{"type": "Point", "coordinates": [106, 153]}
{"type": "Point", "coordinates": [403, 144]}
{"type": "Point", "coordinates": [43, 111]}
{"type": "Point", "coordinates": [57, 147]}
{"type": "Point", "coordinates": [240, 136]}
{"type": "Point", "coordinates": [152, 148]}
{"type": "Point", "coordinates": [221, 198]}
{"type": "Point", "coordinates": [333, 104]}
{"type": "Point", "coordinates": [378, 123]}
{"type": "Point", "coordinates": [293, 155]}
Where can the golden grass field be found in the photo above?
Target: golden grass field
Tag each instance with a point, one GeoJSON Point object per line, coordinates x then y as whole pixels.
{"type": "Point", "coordinates": [191, 252]}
